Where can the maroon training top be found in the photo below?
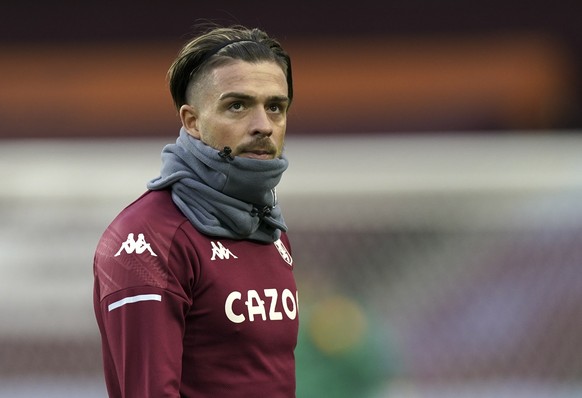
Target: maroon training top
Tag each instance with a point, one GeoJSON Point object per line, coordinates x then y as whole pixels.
{"type": "Point", "coordinates": [183, 314]}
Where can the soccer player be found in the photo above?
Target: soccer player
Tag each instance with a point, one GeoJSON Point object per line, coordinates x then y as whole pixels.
{"type": "Point", "coordinates": [204, 303]}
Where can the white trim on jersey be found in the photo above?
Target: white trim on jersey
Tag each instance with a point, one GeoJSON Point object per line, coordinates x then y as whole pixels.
{"type": "Point", "coordinates": [134, 299]}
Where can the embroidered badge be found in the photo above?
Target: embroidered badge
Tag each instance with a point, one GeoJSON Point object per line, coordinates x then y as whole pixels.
{"type": "Point", "coordinates": [283, 252]}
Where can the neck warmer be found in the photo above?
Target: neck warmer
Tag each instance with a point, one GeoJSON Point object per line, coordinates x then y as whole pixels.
{"type": "Point", "coordinates": [223, 196]}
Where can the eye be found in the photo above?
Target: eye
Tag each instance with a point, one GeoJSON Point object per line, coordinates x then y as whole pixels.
{"type": "Point", "coordinates": [275, 108]}
{"type": "Point", "coordinates": [236, 106]}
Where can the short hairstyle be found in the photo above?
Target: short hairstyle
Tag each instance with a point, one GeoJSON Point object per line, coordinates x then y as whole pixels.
{"type": "Point", "coordinates": [216, 45]}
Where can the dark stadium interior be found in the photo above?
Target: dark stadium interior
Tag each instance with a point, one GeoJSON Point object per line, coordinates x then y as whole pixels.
{"type": "Point", "coordinates": [73, 69]}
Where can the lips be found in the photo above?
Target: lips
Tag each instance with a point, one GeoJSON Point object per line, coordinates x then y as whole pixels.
{"type": "Point", "coordinates": [258, 152]}
{"type": "Point", "coordinates": [261, 151]}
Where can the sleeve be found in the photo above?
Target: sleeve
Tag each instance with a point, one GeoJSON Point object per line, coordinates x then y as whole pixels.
{"type": "Point", "coordinates": [141, 307]}
{"type": "Point", "coordinates": [142, 330]}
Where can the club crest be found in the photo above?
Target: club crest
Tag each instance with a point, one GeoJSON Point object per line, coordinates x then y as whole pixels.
{"type": "Point", "coordinates": [283, 252]}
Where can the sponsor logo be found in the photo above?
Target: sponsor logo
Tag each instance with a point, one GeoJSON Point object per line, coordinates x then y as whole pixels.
{"type": "Point", "coordinates": [138, 246]}
{"type": "Point", "coordinates": [262, 305]}
{"type": "Point", "coordinates": [283, 252]}
{"type": "Point", "coordinates": [218, 250]}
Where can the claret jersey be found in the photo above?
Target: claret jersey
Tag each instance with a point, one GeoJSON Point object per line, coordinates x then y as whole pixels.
{"type": "Point", "coordinates": [183, 314]}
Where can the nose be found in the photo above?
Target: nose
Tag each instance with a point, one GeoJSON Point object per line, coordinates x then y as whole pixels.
{"type": "Point", "coordinates": [261, 123]}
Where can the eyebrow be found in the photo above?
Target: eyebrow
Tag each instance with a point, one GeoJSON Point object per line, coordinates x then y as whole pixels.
{"type": "Point", "coordinates": [243, 96]}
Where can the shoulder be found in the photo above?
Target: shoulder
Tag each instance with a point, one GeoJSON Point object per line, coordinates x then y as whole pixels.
{"type": "Point", "coordinates": [151, 207]}
{"type": "Point", "coordinates": [135, 247]}
{"type": "Point", "coordinates": [152, 216]}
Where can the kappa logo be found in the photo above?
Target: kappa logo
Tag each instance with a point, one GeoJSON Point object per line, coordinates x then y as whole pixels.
{"type": "Point", "coordinates": [138, 246]}
{"type": "Point", "coordinates": [218, 250]}
{"type": "Point", "coordinates": [283, 252]}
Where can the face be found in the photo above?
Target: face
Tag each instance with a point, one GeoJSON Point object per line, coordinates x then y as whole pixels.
{"type": "Point", "coordinates": [240, 105]}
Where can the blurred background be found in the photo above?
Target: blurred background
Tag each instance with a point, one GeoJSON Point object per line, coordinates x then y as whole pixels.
{"type": "Point", "coordinates": [433, 196]}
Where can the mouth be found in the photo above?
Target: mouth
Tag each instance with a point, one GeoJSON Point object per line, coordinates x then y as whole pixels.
{"type": "Point", "coordinates": [258, 150]}
{"type": "Point", "coordinates": [257, 154]}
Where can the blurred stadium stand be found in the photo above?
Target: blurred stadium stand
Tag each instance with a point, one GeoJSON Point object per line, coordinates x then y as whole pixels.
{"type": "Point", "coordinates": [433, 195]}
{"type": "Point", "coordinates": [353, 86]}
{"type": "Point", "coordinates": [429, 265]}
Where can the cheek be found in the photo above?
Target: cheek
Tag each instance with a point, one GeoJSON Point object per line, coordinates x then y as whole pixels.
{"type": "Point", "coordinates": [219, 135]}
{"type": "Point", "coordinates": [279, 141]}
{"type": "Point", "coordinates": [279, 135]}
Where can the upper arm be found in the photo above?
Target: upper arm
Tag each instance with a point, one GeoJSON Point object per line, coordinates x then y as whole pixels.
{"type": "Point", "coordinates": [142, 329]}
{"type": "Point", "coordinates": [141, 304]}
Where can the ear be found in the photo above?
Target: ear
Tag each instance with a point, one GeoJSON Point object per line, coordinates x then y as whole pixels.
{"type": "Point", "coordinates": [189, 117]}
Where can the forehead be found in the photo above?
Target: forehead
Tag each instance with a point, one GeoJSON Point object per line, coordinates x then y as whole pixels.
{"type": "Point", "coordinates": [237, 75]}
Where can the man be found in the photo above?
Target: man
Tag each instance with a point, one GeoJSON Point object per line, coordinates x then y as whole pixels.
{"type": "Point", "coordinates": [204, 303]}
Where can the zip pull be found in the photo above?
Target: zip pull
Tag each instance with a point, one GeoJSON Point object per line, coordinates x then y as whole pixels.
{"type": "Point", "coordinates": [225, 153]}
